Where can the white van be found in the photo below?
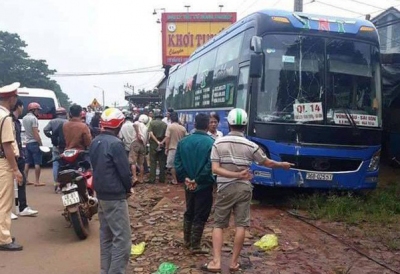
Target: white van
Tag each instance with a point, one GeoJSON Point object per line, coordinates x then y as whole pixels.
{"type": "Point", "coordinates": [49, 103]}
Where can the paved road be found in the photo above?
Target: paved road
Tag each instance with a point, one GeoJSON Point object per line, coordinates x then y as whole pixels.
{"type": "Point", "coordinates": [50, 246]}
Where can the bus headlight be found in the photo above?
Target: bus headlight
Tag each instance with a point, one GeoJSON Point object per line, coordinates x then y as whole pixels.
{"type": "Point", "coordinates": [374, 164]}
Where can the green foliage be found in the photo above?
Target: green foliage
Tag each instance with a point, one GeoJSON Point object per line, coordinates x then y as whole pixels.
{"type": "Point", "coordinates": [17, 66]}
{"type": "Point", "coordinates": [379, 206]}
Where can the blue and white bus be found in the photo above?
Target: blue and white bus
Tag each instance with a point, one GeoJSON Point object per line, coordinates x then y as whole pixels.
{"type": "Point", "coordinates": [311, 86]}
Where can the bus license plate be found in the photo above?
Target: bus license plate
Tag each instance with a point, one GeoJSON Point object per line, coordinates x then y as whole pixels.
{"type": "Point", "coordinates": [319, 176]}
{"type": "Point", "coordinates": [70, 198]}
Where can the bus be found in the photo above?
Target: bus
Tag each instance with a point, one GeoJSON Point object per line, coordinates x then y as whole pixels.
{"type": "Point", "coordinates": [310, 85]}
{"type": "Point", "coordinates": [49, 103]}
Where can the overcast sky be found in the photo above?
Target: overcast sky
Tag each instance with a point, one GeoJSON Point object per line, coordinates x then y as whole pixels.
{"type": "Point", "coordinates": [79, 36]}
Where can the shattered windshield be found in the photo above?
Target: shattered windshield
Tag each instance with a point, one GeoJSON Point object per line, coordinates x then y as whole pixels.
{"type": "Point", "coordinates": [316, 80]}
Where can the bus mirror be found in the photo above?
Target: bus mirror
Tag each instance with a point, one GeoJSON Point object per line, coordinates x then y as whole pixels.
{"type": "Point", "coordinates": [255, 44]}
{"type": "Point", "coordinates": [256, 65]}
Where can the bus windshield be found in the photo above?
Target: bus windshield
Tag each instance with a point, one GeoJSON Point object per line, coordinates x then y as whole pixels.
{"type": "Point", "coordinates": [318, 80]}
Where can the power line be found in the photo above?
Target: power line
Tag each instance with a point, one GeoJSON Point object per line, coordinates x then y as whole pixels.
{"type": "Point", "coordinates": [276, 3]}
{"type": "Point", "coordinates": [385, 37]}
{"type": "Point", "coordinates": [388, 23]}
{"type": "Point", "coordinates": [366, 4]}
{"type": "Point", "coordinates": [312, 1]}
{"type": "Point", "coordinates": [248, 7]}
{"type": "Point", "coordinates": [336, 7]}
{"type": "Point", "coordinates": [380, 10]}
{"type": "Point", "coordinates": [118, 71]}
{"type": "Point", "coordinates": [240, 4]}
{"type": "Point", "coordinates": [148, 81]}
{"type": "Point", "coordinates": [107, 73]}
{"type": "Point", "coordinates": [103, 74]}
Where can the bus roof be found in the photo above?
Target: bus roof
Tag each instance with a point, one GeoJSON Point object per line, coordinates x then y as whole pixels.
{"type": "Point", "coordinates": [280, 21]}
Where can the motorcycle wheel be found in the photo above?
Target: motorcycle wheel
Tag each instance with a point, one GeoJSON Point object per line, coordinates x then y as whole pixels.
{"type": "Point", "coordinates": [80, 224]}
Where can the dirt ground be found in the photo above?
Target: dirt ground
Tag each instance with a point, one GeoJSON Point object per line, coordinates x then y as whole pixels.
{"type": "Point", "coordinates": [157, 213]}
{"type": "Point", "coordinates": [50, 246]}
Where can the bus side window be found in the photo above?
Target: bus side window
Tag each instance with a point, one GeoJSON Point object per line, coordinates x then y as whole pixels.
{"type": "Point", "coordinates": [169, 94]}
{"type": "Point", "coordinates": [204, 80]}
{"type": "Point", "coordinates": [243, 88]}
{"type": "Point", "coordinates": [189, 84]}
{"type": "Point", "coordinates": [178, 87]}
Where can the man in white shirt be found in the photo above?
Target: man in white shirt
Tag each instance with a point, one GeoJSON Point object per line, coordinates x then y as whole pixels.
{"type": "Point", "coordinates": [138, 148]}
{"type": "Point", "coordinates": [167, 118]}
{"type": "Point", "coordinates": [127, 134]}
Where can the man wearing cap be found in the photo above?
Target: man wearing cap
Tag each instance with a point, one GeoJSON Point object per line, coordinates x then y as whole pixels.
{"type": "Point", "coordinates": [8, 165]}
{"type": "Point", "coordinates": [33, 141]}
{"type": "Point", "coordinates": [157, 130]}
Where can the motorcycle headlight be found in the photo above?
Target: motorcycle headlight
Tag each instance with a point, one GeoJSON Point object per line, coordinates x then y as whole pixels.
{"type": "Point", "coordinates": [374, 164]}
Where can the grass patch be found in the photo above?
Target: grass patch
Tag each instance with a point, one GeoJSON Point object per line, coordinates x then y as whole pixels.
{"type": "Point", "coordinates": [379, 206]}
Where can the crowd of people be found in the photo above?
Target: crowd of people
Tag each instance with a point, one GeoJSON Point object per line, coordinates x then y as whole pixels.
{"type": "Point", "coordinates": [122, 148]}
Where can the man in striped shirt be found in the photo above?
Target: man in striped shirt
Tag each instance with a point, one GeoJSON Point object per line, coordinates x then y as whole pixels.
{"type": "Point", "coordinates": [231, 157]}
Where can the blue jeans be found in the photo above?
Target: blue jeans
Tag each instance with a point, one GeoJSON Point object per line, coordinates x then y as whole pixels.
{"type": "Point", "coordinates": [33, 154]}
{"type": "Point", "coordinates": [115, 236]}
{"type": "Point", "coordinates": [56, 164]}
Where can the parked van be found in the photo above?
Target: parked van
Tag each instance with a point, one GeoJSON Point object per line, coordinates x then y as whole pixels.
{"type": "Point", "coordinates": [49, 103]}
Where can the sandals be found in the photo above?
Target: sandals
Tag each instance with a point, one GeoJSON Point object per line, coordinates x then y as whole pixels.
{"type": "Point", "coordinates": [205, 267]}
{"type": "Point", "coordinates": [135, 183]}
{"type": "Point", "coordinates": [40, 184]}
{"type": "Point", "coordinates": [235, 269]}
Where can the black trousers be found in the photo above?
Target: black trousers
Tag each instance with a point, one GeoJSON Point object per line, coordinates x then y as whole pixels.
{"type": "Point", "coordinates": [198, 205]}
{"type": "Point", "coordinates": [22, 189]}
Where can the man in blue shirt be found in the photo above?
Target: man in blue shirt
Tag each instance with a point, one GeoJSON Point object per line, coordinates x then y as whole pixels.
{"type": "Point", "coordinates": [112, 183]}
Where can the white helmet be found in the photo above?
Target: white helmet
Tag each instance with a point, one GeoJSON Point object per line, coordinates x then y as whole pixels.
{"type": "Point", "coordinates": [237, 117]}
{"type": "Point", "coordinates": [143, 118]}
{"type": "Point", "coordinates": [112, 118]}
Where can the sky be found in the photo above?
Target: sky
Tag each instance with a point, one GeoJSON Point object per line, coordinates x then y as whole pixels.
{"type": "Point", "coordinates": [86, 36]}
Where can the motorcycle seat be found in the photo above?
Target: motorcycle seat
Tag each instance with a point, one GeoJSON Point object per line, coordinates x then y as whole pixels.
{"type": "Point", "coordinates": [67, 176]}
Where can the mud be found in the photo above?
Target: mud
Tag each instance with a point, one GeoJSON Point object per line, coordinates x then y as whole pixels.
{"type": "Point", "coordinates": [157, 213]}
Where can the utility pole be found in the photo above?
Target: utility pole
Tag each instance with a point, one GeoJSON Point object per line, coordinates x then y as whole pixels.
{"type": "Point", "coordinates": [102, 92]}
{"type": "Point", "coordinates": [130, 87]}
{"type": "Point", "coordinates": [298, 5]}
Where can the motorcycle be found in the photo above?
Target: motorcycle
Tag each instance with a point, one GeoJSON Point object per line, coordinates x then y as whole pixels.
{"type": "Point", "coordinates": [76, 183]}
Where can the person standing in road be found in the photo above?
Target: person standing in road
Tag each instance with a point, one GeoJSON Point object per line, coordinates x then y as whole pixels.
{"type": "Point", "coordinates": [137, 152]}
{"type": "Point", "coordinates": [8, 166]}
{"type": "Point", "coordinates": [112, 183]}
{"type": "Point", "coordinates": [231, 157]}
{"type": "Point", "coordinates": [213, 127]}
{"type": "Point", "coordinates": [193, 166]}
{"type": "Point", "coordinates": [89, 115]}
{"type": "Point", "coordinates": [95, 122]}
{"type": "Point", "coordinates": [167, 118]}
{"type": "Point", "coordinates": [175, 132]}
{"type": "Point", "coordinates": [24, 209]}
{"type": "Point", "coordinates": [157, 131]}
{"type": "Point", "coordinates": [150, 115]}
{"type": "Point", "coordinates": [52, 130]}
{"type": "Point", "coordinates": [127, 133]}
{"type": "Point", "coordinates": [33, 142]}
{"type": "Point", "coordinates": [76, 134]}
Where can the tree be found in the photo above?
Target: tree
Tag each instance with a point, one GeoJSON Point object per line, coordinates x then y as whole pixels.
{"type": "Point", "coordinates": [17, 66]}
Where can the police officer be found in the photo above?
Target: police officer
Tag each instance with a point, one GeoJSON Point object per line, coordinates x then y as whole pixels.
{"type": "Point", "coordinates": [8, 165]}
